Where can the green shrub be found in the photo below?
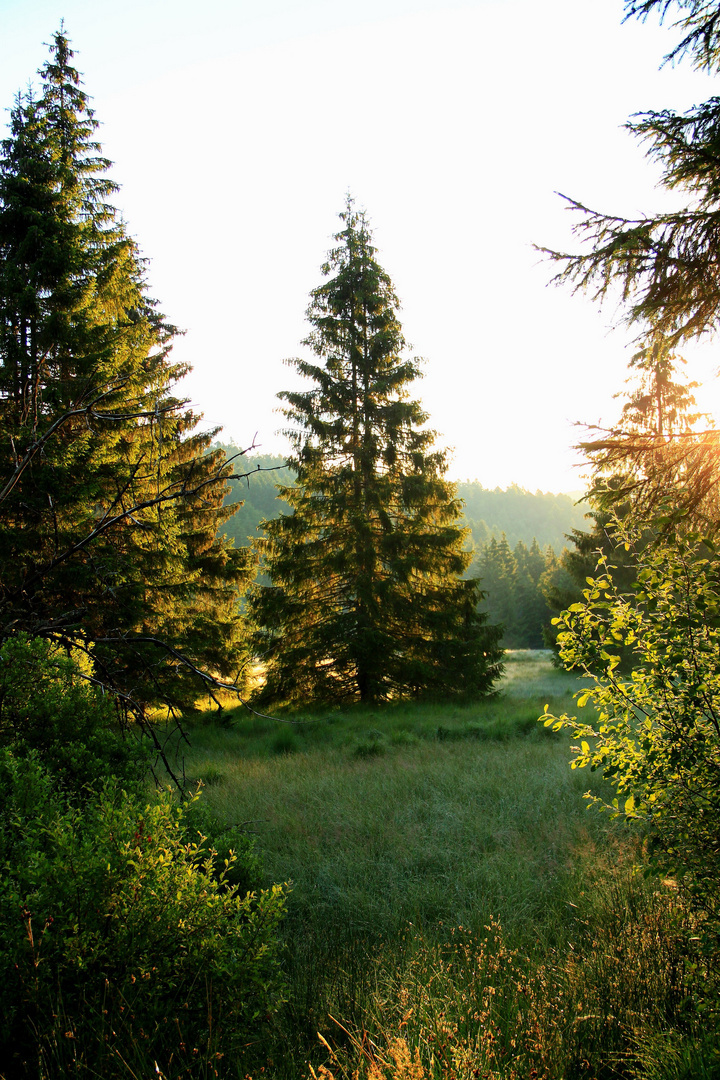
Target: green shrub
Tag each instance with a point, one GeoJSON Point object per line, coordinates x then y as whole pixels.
{"type": "Point", "coordinates": [657, 734]}
{"type": "Point", "coordinates": [117, 931]}
{"type": "Point", "coordinates": [235, 857]}
{"type": "Point", "coordinates": [49, 705]}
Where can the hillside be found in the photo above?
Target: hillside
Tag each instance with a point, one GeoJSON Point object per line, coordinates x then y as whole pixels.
{"type": "Point", "coordinates": [520, 514]}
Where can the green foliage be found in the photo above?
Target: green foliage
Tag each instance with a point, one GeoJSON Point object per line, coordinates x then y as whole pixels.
{"type": "Point", "coordinates": [530, 521]}
{"type": "Point", "coordinates": [566, 577]}
{"type": "Point", "coordinates": [513, 584]}
{"type": "Point", "coordinates": [662, 263]}
{"type": "Point", "coordinates": [657, 734]}
{"type": "Point", "coordinates": [367, 597]}
{"type": "Point", "coordinates": [233, 854]}
{"type": "Point", "coordinates": [633, 465]}
{"type": "Point", "coordinates": [109, 503]}
{"type": "Point", "coordinates": [49, 705]}
{"type": "Point", "coordinates": [126, 923]}
{"type": "Point", "coordinates": [118, 934]}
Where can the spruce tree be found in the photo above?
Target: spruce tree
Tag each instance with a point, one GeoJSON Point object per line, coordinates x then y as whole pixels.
{"type": "Point", "coordinates": [367, 600]}
{"type": "Point", "coordinates": [109, 502]}
{"type": "Point", "coordinates": [529, 607]}
{"type": "Point", "coordinates": [635, 466]}
{"type": "Point", "coordinates": [496, 570]}
{"type": "Point", "coordinates": [513, 598]}
{"type": "Point", "coordinates": [647, 452]}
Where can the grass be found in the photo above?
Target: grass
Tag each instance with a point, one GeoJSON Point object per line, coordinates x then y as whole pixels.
{"type": "Point", "coordinates": [455, 909]}
{"type": "Point", "coordinates": [452, 829]}
{"type": "Point", "coordinates": [422, 813]}
{"type": "Point", "coordinates": [529, 682]}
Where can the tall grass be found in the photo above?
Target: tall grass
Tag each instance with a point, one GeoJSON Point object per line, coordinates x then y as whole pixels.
{"type": "Point", "coordinates": [478, 1006]}
{"type": "Point", "coordinates": [455, 909]}
{"type": "Point", "coordinates": [422, 813]}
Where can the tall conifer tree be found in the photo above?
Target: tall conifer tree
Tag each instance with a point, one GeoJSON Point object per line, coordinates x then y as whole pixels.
{"type": "Point", "coordinates": [109, 503]}
{"type": "Point", "coordinates": [367, 600]}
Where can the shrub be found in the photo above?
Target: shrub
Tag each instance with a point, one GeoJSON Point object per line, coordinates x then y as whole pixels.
{"type": "Point", "coordinates": [235, 858]}
{"type": "Point", "coordinates": [657, 735]}
{"type": "Point", "coordinates": [118, 932]}
{"type": "Point", "coordinates": [48, 704]}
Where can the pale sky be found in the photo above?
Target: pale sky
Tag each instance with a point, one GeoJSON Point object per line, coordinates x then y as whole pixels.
{"type": "Point", "coordinates": [236, 128]}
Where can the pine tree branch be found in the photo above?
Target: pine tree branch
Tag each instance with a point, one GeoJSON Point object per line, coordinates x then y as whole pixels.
{"type": "Point", "coordinates": [210, 681]}
{"type": "Point", "coordinates": [702, 40]}
{"type": "Point", "coordinates": [39, 444]}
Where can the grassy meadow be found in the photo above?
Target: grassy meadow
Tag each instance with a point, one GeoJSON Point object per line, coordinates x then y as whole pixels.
{"type": "Point", "coordinates": [455, 909]}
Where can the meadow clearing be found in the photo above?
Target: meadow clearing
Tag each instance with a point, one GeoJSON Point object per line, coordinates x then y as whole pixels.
{"type": "Point", "coordinates": [455, 908]}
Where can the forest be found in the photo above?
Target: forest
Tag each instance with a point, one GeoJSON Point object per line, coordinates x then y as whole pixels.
{"type": "Point", "coordinates": [297, 754]}
{"type": "Point", "coordinates": [521, 515]}
{"type": "Point", "coordinates": [520, 557]}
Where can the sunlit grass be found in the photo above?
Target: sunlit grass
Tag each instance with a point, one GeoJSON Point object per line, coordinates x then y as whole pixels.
{"type": "Point", "coordinates": [411, 812]}
{"type": "Point", "coordinates": [395, 826]}
{"type": "Point", "coordinates": [528, 683]}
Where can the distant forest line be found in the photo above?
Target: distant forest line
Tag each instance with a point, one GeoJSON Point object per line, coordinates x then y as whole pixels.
{"type": "Point", "coordinates": [518, 539]}
{"type": "Point", "coordinates": [521, 515]}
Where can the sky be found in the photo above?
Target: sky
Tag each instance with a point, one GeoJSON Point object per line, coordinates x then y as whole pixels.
{"type": "Point", "coordinates": [236, 129]}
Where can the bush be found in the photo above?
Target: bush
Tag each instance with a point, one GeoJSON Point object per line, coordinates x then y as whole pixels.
{"type": "Point", "coordinates": [235, 858]}
{"type": "Point", "coordinates": [657, 735]}
{"type": "Point", "coordinates": [48, 704]}
{"type": "Point", "coordinates": [120, 935]}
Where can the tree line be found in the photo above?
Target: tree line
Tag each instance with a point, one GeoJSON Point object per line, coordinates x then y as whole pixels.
{"type": "Point", "coordinates": [520, 557]}
{"type": "Point", "coordinates": [488, 513]}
